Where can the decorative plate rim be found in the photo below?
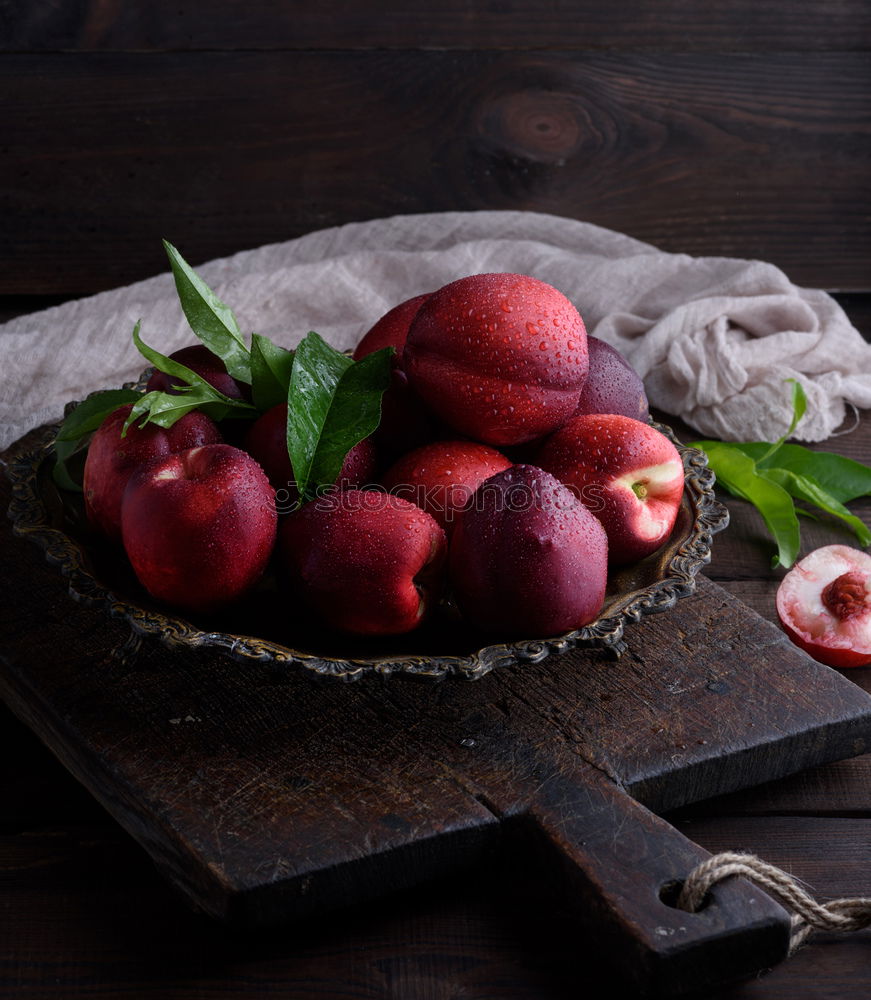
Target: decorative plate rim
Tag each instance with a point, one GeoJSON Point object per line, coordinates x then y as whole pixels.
{"type": "Point", "coordinates": [31, 520]}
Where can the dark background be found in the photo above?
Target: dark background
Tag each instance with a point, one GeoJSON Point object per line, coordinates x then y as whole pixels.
{"type": "Point", "coordinates": [737, 128]}
{"type": "Point", "coordinates": [740, 128]}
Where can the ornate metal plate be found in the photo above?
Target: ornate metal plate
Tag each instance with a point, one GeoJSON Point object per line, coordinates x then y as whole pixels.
{"type": "Point", "coordinates": [269, 629]}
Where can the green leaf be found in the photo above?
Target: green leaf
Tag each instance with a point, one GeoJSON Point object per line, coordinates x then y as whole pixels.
{"type": "Point", "coordinates": [79, 424]}
{"type": "Point", "coordinates": [354, 415]}
{"type": "Point", "coordinates": [164, 409]}
{"type": "Point", "coordinates": [317, 372]}
{"type": "Point", "coordinates": [197, 387]}
{"type": "Point", "coordinates": [60, 473]}
{"type": "Point", "coordinates": [210, 319]}
{"type": "Point", "coordinates": [803, 488]}
{"type": "Point", "coordinates": [799, 405]}
{"type": "Point", "coordinates": [737, 473]}
{"type": "Point", "coordinates": [332, 404]}
{"type": "Point", "coordinates": [271, 368]}
{"type": "Point", "coordinates": [844, 478]}
{"type": "Point", "coordinates": [770, 475]}
{"type": "Point", "coordinates": [91, 412]}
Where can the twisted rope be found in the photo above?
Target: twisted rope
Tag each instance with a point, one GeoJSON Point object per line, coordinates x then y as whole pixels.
{"type": "Point", "coordinates": [808, 914]}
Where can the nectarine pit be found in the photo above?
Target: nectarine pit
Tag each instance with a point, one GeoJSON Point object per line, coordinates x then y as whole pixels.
{"type": "Point", "coordinates": [845, 595]}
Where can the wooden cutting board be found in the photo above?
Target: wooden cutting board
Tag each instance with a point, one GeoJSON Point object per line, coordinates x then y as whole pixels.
{"type": "Point", "coordinates": [266, 799]}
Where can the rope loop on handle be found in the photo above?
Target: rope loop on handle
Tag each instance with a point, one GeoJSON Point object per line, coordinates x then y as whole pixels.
{"type": "Point", "coordinates": [808, 914]}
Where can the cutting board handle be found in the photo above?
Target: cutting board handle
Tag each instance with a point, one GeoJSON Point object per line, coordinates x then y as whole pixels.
{"type": "Point", "coordinates": [623, 866]}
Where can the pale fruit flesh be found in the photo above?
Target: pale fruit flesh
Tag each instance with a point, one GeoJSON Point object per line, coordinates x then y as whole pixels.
{"type": "Point", "coordinates": [824, 605]}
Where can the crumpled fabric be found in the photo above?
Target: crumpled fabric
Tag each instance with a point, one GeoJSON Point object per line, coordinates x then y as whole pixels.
{"type": "Point", "coordinates": [714, 338]}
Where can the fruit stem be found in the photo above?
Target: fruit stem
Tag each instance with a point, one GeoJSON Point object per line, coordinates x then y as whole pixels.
{"type": "Point", "coordinates": [640, 490]}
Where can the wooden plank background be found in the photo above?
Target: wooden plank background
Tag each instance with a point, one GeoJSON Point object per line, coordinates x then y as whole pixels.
{"type": "Point", "coordinates": [743, 131]}
{"type": "Point", "coordinates": [743, 25]}
{"type": "Point", "coordinates": [736, 127]}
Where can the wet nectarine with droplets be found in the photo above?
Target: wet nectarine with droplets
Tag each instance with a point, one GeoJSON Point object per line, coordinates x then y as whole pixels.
{"type": "Point", "coordinates": [199, 526]}
{"type": "Point", "coordinates": [367, 562]}
{"type": "Point", "coordinates": [502, 358]}
{"type": "Point", "coordinates": [441, 477]}
{"type": "Point", "coordinates": [627, 472]}
{"type": "Point", "coordinates": [527, 557]}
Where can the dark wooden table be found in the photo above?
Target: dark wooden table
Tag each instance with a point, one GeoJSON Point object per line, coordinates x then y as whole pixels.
{"type": "Point", "coordinates": [85, 914]}
{"type": "Point", "coordinates": [732, 128]}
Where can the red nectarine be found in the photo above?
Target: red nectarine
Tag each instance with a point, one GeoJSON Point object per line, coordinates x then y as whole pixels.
{"type": "Point", "coordinates": [440, 477]}
{"type": "Point", "coordinates": [392, 329]}
{"type": "Point", "coordinates": [527, 557]}
{"type": "Point", "coordinates": [369, 563]}
{"type": "Point", "coordinates": [111, 459]}
{"type": "Point", "coordinates": [199, 526]}
{"type": "Point", "coordinates": [499, 357]}
{"type": "Point", "coordinates": [612, 385]}
{"type": "Point", "coordinates": [628, 473]}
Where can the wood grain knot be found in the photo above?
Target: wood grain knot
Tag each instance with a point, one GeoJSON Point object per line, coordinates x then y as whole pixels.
{"type": "Point", "coordinates": [538, 125]}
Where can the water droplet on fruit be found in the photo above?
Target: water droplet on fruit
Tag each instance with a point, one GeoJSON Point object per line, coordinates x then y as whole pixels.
{"type": "Point", "coordinates": [530, 328]}
{"type": "Point", "coordinates": [543, 346]}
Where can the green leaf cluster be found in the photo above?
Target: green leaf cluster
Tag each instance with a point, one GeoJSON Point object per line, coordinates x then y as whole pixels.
{"type": "Point", "coordinates": [333, 402]}
{"type": "Point", "coordinates": [210, 319]}
{"type": "Point", "coordinates": [165, 408]}
{"type": "Point", "coordinates": [77, 428]}
{"type": "Point", "coordinates": [772, 476]}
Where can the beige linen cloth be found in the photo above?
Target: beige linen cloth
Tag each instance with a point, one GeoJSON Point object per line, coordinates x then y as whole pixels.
{"type": "Point", "coordinates": [714, 338]}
